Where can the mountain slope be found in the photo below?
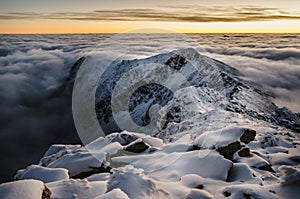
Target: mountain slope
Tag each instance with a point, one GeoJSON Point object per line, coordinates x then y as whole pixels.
{"type": "Point", "coordinates": [212, 80]}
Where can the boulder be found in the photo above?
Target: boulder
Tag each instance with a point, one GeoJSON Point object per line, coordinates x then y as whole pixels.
{"type": "Point", "coordinates": [244, 152]}
{"type": "Point", "coordinates": [43, 174]}
{"type": "Point", "coordinates": [229, 150]}
{"type": "Point", "coordinates": [24, 189]}
{"type": "Point", "coordinates": [137, 147]}
{"type": "Point", "coordinates": [248, 136]}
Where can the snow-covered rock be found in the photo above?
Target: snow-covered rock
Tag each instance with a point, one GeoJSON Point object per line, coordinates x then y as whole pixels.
{"type": "Point", "coordinates": [25, 189]}
{"type": "Point", "coordinates": [134, 183]}
{"type": "Point", "coordinates": [56, 151]}
{"type": "Point", "coordinates": [124, 140]}
{"type": "Point", "coordinates": [43, 174]}
{"type": "Point", "coordinates": [249, 191]}
{"type": "Point", "coordinates": [77, 160]}
{"type": "Point", "coordinates": [227, 141]}
{"type": "Point", "coordinates": [70, 189]}
{"type": "Point", "coordinates": [172, 166]}
{"type": "Point", "coordinates": [115, 194]}
{"type": "Point", "coordinates": [290, 174]}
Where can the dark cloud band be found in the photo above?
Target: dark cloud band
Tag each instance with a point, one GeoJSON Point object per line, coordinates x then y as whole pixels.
{"type": "Point", "coordinates": [166, 14]}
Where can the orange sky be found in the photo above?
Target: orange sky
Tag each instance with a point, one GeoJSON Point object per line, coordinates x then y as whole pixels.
{"type": "Point", "coordinates": [91, 16]}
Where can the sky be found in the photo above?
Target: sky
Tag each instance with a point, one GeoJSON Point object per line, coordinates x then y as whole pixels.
{"type": "Point", "coordinates": [189, 16]}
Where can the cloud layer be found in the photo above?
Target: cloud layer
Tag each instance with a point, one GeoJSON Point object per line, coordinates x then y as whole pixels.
{"type": "Point", "coordinates": [35, 112]}
{"type": "Point", "coordinates": [271, 61]}
{"type": "Point", "coordinates": [188, 13]}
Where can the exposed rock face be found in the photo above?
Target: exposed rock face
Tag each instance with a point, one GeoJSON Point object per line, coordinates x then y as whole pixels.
{"type": "Point", "coordinates": [288, 119]}
{"type": "Point", "coordinates": [227, 141]}
{"type": "Point", "coordinates": [46, 193]}
{"type": "Point", "coordinates": [94, 170]}
{"type": "Point", "coordinates": [248, 136]}
{"type": "Point", "coordinates": [176, 62]}
{"type": "Point", "coordinates": [123, 138]}
{"type": "Point", "coordinates": [266, 167]}
{"type": "Point", "coordinates": [137, 147]}
{"type": "Point", "coordinates": [229, 150]}
{"type": "Point", "coordinates": [74, 69]}
{"type": "Point", "coordinates": [244, 152]}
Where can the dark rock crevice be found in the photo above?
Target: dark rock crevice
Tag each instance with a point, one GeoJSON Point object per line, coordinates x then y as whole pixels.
{"type": "Point", "coordinates": [94, 170]}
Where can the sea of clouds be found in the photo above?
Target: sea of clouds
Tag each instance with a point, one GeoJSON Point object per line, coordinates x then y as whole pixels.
{"type": "Point", "coordinates": [33, 113]}
{"type": "Point", "coordinates": [33, 69]}
{"type": "Point", "coordinates": [272, 61]}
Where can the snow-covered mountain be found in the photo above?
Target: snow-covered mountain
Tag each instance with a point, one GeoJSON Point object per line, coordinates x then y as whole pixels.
{"type": "Point", "coordinates": [216, 136]}
{"type": "Point", "coordinates": [209, 83]}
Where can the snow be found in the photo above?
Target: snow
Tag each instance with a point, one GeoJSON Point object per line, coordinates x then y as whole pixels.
{"type": "Point", "coordinates": [43, 174]}
{"type": "Point", "coordinates": [76, 189]}
{"type": "Point", "coordinates": [56, 151]}
{"type": "Point", "coordinates": [123, 138]}
{"type": "Point", "coordinates": [56, 148]}
{"type": "Point", "coordinates": [219, 138]}
{"type": "Point", "coordinates": [241, 172]}
{"type": "Point", "coordinates": [25, 189]}
{"type": "Point", "coordinates": [194, 194]}
{"type": "Point", "coordinates": [172, 166]}
{"type": "Point", "coordinates": [80, 162]}
{"type": "Point", "coordinates": [290, 174]}
{"type": "Point", "coordinates": [249, 191]}
{"type": "Point", "coordinates": [134, 183]}
{"type": "Point", "coordinates": [98, 177]}
{"type": "Point", "coordinates": [115, 194]}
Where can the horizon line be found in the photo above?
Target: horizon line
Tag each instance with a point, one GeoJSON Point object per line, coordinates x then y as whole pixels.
{"type": "Point", "coordinates": [84, 33]}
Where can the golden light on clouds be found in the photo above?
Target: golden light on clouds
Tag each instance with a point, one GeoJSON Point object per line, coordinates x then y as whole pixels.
{"type": "Point", "coordinates": [178, 17]}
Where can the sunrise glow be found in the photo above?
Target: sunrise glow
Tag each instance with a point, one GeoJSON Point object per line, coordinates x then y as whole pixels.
{"type": "Point", "coordinates": [201, 16]}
